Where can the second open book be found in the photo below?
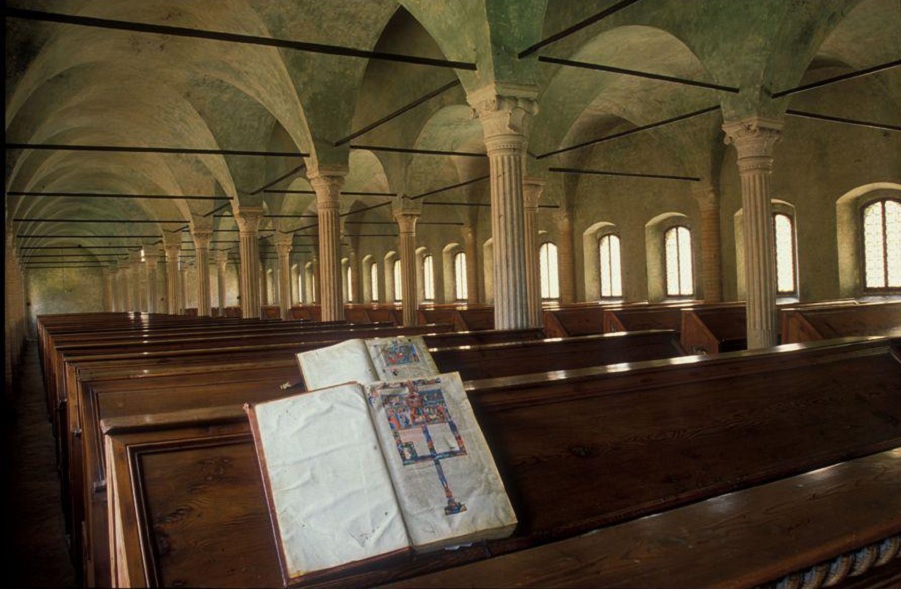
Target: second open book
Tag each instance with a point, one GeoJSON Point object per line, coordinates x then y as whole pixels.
{"type": "Point", "coordinates": [356, 471]}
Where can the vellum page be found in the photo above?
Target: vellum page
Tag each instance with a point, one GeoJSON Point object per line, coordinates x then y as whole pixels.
{"type": "Point", "coordinates": [330, 489]}
{"type": "Point", "coordinates": [400, 358]}
{"type": "Point", "coordinates": [444, 476]}
{"type": "Point", "coordinates": [346, 361]}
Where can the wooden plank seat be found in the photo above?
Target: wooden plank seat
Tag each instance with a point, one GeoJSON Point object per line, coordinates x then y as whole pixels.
{"type": "Point", "coordinates": [578, 450]}
{"type": "Point", "coordinates": [636, 317]}
{"type": "Point", "coordinates": [713, 329]}
{"type": "Point", "coordinates": [572, 321]}
{"type": "Point", "coordinates": [825, 322]}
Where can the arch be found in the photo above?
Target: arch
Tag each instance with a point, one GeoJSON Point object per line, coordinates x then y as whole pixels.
{"type": "Point", "coordinates": [591, 258]}
{"type": "Point", "coordinates": [655, 231]}
{"type": "Point", "coordinates": [849, 233]}
{"type": "Point", "coordinates": [447, 270]}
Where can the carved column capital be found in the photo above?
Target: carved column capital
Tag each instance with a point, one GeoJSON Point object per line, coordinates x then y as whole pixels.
{"type": "Point", "coordinates": [248, 219]}
{"type": "Point", "coordinates": [406, 212]}
{"type": "Point", "coordinates": [505, 111]}
{"type": "Point", "coordinates": [284, 248]}
{"type": "Point", "coordinates": [327, 182]}
{"type": "Point", "coordinates": [754, 140]}
{"type": "Point", "coordinates": [202, 238]}
{"type": "Point", "coordinates": [151, 258]}
{"type": "Point", "coordinates": [221, 257]}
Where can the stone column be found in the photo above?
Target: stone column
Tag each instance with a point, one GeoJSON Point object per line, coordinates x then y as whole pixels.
{"type": "Point", "coordinates": [754, 140]}
{"type": "Point", "coordinates": [356, 293]}
{"type": "Point", "coordinates": [264, 283]}
{"type": "Point", "coordinates": [471, 249]}
{"type": "Point", "coordinates": [248, 219]}
{"type": "Point", "coordinates": [406, 213]}
{"type": "Point", "coordinates": [151, 260]}
{"type": "Point", "coordinates": [283, 245]}
{"type": "Point", "coordinates": [108, 302]}
{"type": "Point", "coordinates": [531, 191]}
{"type": "Point", "coordinates": [566, 258]}
{"type": "Point", "coordinates": [172, 261]}
{"type": "Point", "coordinates": [711, 273]}
{"type": "Point", "coordinates": [221, 267]}
{"type": "Point", "coordinates": [327, 184]}
{"type": "Point", "coordinates": [202, 261]}
{"type": "Point", "coordinates": [183, 289]}
{"type": "Point", "coordinates": [505, 113]}
{"type": "Point", "coordinates": [134, 293]}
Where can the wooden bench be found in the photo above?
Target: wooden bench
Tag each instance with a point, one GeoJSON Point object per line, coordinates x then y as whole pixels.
{"type": "Point", "coordinates": [842, 320]}
{"type": "Point", "coordinates": [767, 532]}
{"type": "Point", "coordinates": [636, 317]}
{"type": "Point", "coordinates": [475, 318]}
{"type": "Point", "coordinates": [579, 451]}
{"type": "Point", "coordinates": [112, 393]}
{"type": "Point", "coordinates": [713, 329]}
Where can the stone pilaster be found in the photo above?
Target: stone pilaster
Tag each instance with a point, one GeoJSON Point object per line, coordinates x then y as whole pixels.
{"type": "Point", "coordinates": [151, 261]}
{"type": "Point", "coordinates": [202, 261]}
{"type": "Point", "coordinates": [754, 140]}
{"type": "Point", "coordinates": [249, 219]}
{"type": "Point", "coordinates": [531, 190]}
{"type": "Point", "coordinates": [711, 269]}
{"type": "Point", "coordinates": [221, 267]}
{"type": "Point", "coordinates": [566, 257]}
{"type": "Point", "coordinates": [505, 113]}
{"type": "Point", "coordinates": [107, 274]}
{"type": "Point", "coordinates": [327, 184]}
{"type": "Point", "coordinates": [183, 288]}
{"type": "Point", "coordinates": [406, 213]}
{"type": "Point", "coordinates": [172, 262]}
{"type": "Point", "coordinates": [283, 245]}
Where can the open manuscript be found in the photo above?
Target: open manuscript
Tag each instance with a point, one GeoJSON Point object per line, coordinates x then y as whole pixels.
{"type": "Point", "coordinates": [357, 472]}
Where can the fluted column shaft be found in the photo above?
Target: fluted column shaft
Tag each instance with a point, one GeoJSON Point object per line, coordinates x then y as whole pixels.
{"type": "Point", "coordinates": [356, 274]}
{"type": "Point", "coordinates": [406, 222]}
{"type": "Point", "coordinates": [151, 259]}
{"type": "Point", "coordinates": [328, 192]}
{"type": "Point", "coordinates": [183, 289]}
{"type": "Point", "coordinates": [221, 267]}
{"type": "Point", "coordinates": [532, 189]}
{"type": "Point", "coordinates": [754, 141]}
{"type": "Point", "coordinates": [284, 277]}
{"type": "Point", "coordinates": [249, 219]}
{"type": "Point", "coordinates": [566, 258]}
{"type": "Point", "coordinates": [711, 272]}
{"type": "Point", "coordinates": [122, 288]}
{"type": "Point", "coordinates": [172, 277]}
{"type": "Point", "coordinates": [471, 249]}
{"type": "Point", "coordinates": [505, 115]}
{"type": "Point", "coordinates": [134, 278]}
{"type": "Point", "coordinates": [202, 261]}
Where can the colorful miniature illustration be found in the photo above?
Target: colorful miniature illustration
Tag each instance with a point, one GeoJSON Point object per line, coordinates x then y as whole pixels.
{"type": "Point", "coordinates": [416, 414]}
{"type": "Point", "coordinates": [399, 353]}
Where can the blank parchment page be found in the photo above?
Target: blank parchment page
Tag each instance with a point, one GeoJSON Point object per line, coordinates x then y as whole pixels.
{"type": "Point", "coordinates": [346, 361]}
{"type": "Point", "coordinates": [329, 485]}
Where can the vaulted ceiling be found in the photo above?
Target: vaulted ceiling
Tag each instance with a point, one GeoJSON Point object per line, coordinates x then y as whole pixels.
{"type": "Point", "coordinates": [130, 121]}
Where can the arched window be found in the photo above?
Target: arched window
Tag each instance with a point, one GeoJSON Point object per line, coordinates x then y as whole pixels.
{"type": "Point", "coordinates": [428, 278]}
{"type": "Point", "coordinates": [460, 290]}
{"type": "Point", "coordinates": [677, 245]}
{"type": "Point", "coordinates": [348, 284]}
{"type": "Point", "coordinates": [550, 278]}
{"type": "Point", "coordinates": [398, 291]}
{"type": "Point", "coordinates": [610, 272]}
{"type": "Point", "coordinates": [374, 282]}
{"type": "Point", "coordinates": [882, 245]}
{"type": "Point", "coordinates": [784, 232]}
